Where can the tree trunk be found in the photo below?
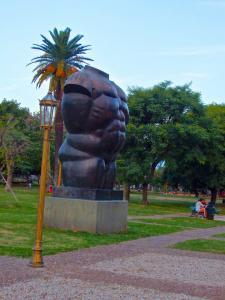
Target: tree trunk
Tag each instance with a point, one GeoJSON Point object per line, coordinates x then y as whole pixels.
{"type": "Point", "coordinates": [9, 166]}
{"type": "Point", "coordinates": [196, 193]}
{"type": "Point", "coordinates": [49, 177]}
{"type": "Point", "coordinates": [126, 191]}
{"type": "Point", "coordinates": [145, 194]}
{"type": "Point", "coordinates": [213, 195]}
{"type": "Point", "coordinates": [165, 187]}
{"type": "Point", "coordinates": [58, 131]}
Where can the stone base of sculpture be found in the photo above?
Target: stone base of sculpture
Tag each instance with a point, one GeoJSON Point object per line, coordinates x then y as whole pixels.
{"type": "Point", "coordinates": [108, 216]}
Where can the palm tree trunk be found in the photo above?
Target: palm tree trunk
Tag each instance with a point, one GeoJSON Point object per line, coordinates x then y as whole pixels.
{"type": "Point", "coordinates": [58, 130]}
{"type": "Point", "coordinates": [9, 166]}
{"type": "Point", "coordinates": [145, 194]}
{"type": "Point", "coordinates": [126, 191]}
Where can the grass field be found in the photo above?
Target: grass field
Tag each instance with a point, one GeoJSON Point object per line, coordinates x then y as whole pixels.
{"type": "Point", "coordinates": [17, 225]}
{"type": "Point", "coordinates": [157, 207]}
{"type": "Point", "coordinates": [203, 245]}
{"type": "Point", "coordinates": [185, 222]}
{"type": "Point", "coordinates": [161, 204]}
{"type": "Point", "coordinates": [220, 235]}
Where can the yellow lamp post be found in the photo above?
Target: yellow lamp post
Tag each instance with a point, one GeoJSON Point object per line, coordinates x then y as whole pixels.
{"type": "Point", "coordinates": [47, 114]}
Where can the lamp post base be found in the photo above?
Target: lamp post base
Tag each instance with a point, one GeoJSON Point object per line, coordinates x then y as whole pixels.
{"type": "Point", "coordinates": [37, 261]}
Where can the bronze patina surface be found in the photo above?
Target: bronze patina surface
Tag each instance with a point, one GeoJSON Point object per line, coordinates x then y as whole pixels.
{"type": "Point", "coordinates": [95, 114]}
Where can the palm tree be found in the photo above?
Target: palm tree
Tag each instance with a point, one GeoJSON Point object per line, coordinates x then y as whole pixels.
{"type": "Point", "coordinates": [60, 59]}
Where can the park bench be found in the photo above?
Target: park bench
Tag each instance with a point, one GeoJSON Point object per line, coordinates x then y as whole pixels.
{"type": "Point", "coordinates": [194, 213]}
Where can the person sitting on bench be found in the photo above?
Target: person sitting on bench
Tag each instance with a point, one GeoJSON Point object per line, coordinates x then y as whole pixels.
{"type": "Point", "coordinates": [200, 207]}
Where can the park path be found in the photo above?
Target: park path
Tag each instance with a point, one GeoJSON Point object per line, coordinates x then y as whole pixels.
{"type": "Point", "coordinates": [141, 269]}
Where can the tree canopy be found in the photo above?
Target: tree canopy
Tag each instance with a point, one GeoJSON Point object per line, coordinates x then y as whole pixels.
{"type": "Point", "coordinates": [161, 118]}
{"type": "Point", "coordinates": [201, 166]}
{"type": "Point", "coordinates": [61, 57]}
{"type": "Point", "coordinates": [21, 140]}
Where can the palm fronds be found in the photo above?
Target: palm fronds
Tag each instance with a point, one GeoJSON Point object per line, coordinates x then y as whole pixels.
{"type": "Point", "coordinates": [61, 57]}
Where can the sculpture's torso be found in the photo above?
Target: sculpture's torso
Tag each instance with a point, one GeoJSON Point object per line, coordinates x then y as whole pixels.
{"type": "Point", "coordinates": [95, 113]}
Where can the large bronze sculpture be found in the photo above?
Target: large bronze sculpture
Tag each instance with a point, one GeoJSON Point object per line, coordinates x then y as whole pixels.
{"type": "Point", "coordinates": [95, 114]}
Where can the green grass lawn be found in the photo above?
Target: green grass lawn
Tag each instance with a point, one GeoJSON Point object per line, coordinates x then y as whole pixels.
{"type": "Point", "coordinates": [19, 241]}
{"type": "Point", "coordinates": [203, 245]}
{"type": "Point", "coordinates": [157, 206]}
{"type": "Point", "coordinates": [164, 195]}
{"type": "Point", "coordinates": [185, 222]}
{"type": "Point", "coordinates": [161, 205]}
{"type": "Point", "coordinates": [17, 225]}
{"type": "Point", "coordinates": [220, 235]}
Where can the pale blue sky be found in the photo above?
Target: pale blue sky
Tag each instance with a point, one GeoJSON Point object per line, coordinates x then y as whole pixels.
{"type": "Point", "coordinates": [139, 43]}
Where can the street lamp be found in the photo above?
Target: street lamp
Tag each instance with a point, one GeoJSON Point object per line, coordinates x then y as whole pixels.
{"type": "Point", "coordinates": [47, 115]}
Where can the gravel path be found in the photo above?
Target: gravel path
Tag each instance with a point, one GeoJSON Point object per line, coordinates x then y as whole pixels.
{"type": "Point", "coordinates": [140, 269]}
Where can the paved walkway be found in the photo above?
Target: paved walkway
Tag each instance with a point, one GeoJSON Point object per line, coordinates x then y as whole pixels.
{"type": "Point", "coordinates": [219, 218]}
{"type": "Point", "coordinates": [140, 269]}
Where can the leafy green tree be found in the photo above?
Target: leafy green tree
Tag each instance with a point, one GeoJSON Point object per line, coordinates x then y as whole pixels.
{"type": "Point", "coordinates": [201, 165]}
{"type": "Point", "coordinates": [158, 116]}
{"type": "Point", "coordinates": [13, 140]}
{"type": "Point", "coordinates": [10, 116]}
{"type": "Point", "coordinates": [61, 57]}
{"type": "Point", "coordinates": [14, 145]}
{"type": "Point", "coordinates": [216, 157]}
{"type": "Point", "coordinates": [216, 112]}
{"type": "Point", "coordinates": [30, 160]}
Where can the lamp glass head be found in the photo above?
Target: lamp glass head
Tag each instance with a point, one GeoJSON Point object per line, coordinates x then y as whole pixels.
{"type": "Point", "coordinates": [48, 107]}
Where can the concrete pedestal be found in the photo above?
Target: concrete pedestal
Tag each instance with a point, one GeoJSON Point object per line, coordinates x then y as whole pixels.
{"type": "Point", "coordinates": [86, 215]}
